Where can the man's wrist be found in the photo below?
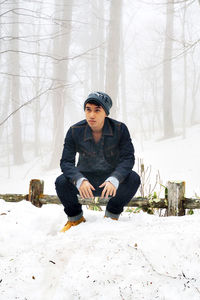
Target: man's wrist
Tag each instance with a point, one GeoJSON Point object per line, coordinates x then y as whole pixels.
{"type": "Point", "coordinates": [79, 182]}
{"type": "Point", "coordinates": [114, 181]}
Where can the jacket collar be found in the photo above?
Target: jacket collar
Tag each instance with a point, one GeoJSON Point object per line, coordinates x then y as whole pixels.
{"type": "Point", "coordinates": [107, 130]}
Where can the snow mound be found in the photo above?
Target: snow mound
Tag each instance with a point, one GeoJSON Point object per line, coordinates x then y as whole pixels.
{"type": "Point", "coordinates": [138, 257]}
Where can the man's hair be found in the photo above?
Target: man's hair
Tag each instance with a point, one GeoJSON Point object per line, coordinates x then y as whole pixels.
{"type": "Point", "coordinates": [94, 102]}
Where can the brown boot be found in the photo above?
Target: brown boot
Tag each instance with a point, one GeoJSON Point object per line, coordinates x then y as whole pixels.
{"type": "Point", "coordinates": [111, 218]}
{"type": "Point", "coordinates": [69, 224]}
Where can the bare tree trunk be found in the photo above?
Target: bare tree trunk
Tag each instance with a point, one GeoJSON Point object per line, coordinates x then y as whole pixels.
{"type": "Point", "coordinates": [195, 87]}
{"type": "Point", "coordinates": [185, 74]}
{"type": "Point", "coordinates": [97, 57]}
{"type": "Point", "coordinates": [167, 73]}
{"type": "Point", "coordinates": [93, 43]}
{"type": "Point", "coordinates": [113, 53]}
{"type": "Point", "coordinates": [157, 122]}
{"type": "Point", "coordinates": [61, 48]}
{"type": "Point", "coordinates": [37, 104]}
{"type": "Point", "coordinates": [14, 94]}
{"type": "Point", "coordinates": [123, 86]}
{"type": "Point", "coordinates": [4, 102]}
{"type": "Point", "coordinates": [101, 49]}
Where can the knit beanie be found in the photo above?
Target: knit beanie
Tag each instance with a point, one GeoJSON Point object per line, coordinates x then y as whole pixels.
{"type": "Point", "coordinates": [100, 98]}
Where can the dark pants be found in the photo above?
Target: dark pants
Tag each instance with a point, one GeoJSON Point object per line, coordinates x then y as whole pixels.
{"type": "Point", "coordinates": [67, 194]}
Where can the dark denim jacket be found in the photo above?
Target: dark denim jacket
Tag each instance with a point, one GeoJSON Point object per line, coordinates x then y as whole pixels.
{"type": "Point", "coordinates": [113, 155]}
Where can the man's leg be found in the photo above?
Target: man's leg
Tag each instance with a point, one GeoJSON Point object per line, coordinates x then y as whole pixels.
{"type": "Point", "coordinates": [67, 194]}
{"type": "Point", "coordinates": [126, 190]}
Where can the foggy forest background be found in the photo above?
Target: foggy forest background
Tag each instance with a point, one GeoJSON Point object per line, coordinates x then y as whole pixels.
{"type": "Point", "coordinates": [144, 54]}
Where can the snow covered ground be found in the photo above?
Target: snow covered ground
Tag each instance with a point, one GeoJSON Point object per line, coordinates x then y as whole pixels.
{"type": "Point", "coordinates": [138, 257]}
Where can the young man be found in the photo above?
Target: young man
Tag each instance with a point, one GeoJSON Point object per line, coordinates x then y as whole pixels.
{"type": "Point", "coordinates": [104, 168]}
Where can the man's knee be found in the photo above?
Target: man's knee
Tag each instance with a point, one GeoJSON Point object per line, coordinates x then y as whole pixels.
{"type": "Point", "coordinates": [137, 179]}
{"type": "Point", "coordinates": [60, 182]}
{"type": "Point", "coordinates": [134, 179]}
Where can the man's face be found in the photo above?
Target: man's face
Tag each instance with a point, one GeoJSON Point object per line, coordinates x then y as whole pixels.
{"type": "Point", "coordinates": [95, 116]}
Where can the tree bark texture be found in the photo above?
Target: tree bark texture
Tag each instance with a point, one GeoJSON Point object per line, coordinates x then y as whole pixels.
{"type": "Point", "coordinates": [176, 192]}
{"type": "Point", "coordinates": [36, 189]}
{"type": "Point", "coordinates": [167, 72]}
{"type": "Point", "coordinates": [113, 53]}
{"type": "Point", "coordinates": [14, 68]}
{"type": "Point", "coordinates": [61, 49]}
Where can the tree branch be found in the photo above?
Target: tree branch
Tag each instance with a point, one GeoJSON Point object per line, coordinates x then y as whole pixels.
{"type": "Point", "coordinates": [24, 104]}
{"type": "Point", "coordinates": [51, 88]}
{"type": "Point", "coordinates": [3, 2]}
{"type": "Point", "coordinates": [39, 15]}
{"type": "Point", "coordinates": [31, 77]}
{"type": "Point", "coordinates": [50, 56]}
{"type": "Point", "coordinates": [168, 2]}
{"type": "Point", "coordinates": [39, 38]}
{"type": "Point", "coordinates": [176, 56]}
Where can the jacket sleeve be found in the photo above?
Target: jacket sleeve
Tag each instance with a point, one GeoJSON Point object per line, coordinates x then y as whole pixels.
{"type": "Point", "coordinates": [126, 155]}
{"type": "Point", "coordinates": [67, 162]}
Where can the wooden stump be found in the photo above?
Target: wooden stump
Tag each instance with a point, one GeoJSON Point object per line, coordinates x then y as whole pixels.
{"type": "Point", "coordinates": [36, 189]}
{"type": "Point", "coordinates": [176, 191]}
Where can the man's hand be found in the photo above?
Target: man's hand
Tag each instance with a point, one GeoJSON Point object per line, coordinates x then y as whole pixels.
{"type": "Point", "coordinates": [86, 189]}
{"type": "Point", "coordinates": [109, 189]}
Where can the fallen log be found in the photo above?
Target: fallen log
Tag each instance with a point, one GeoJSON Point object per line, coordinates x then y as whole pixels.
{"type": "Point", "coordinates": [51, 199]}
{"type": "Point", "coordinates": [188, 203]}
{"type": "Point", "coordinates": [135, 202]}
{"type": "Point", "coordinates": [175, 204]}
{"type": "Point", "coordinates": [14, 197]}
